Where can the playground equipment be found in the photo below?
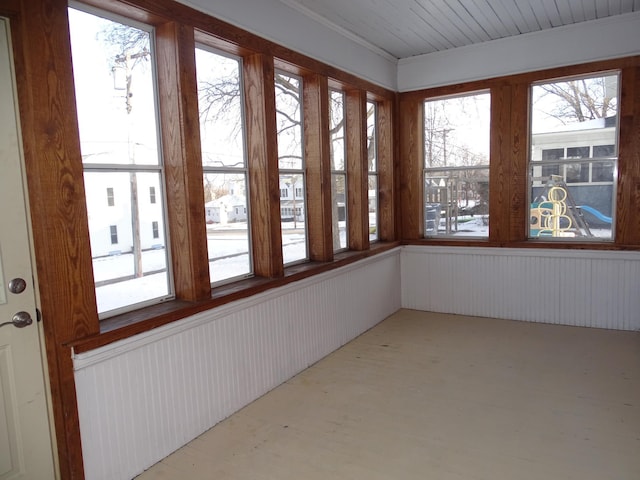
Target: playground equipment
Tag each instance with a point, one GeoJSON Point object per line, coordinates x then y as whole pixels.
{"type": "Point", "coordinates": [596, 213]}
{"type": "Point", "coordinates": [552, 215]}
{"type": "Point", "coordinates": [452, 199]}
{"type": "Point", "coordinates": [441, 194]}
{"type": "Point", "coordinates": [557, 215]}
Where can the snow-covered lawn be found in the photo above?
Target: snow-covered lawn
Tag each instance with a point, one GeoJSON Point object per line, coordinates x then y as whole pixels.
{"type": "Point", "coordinates": [227, 246]}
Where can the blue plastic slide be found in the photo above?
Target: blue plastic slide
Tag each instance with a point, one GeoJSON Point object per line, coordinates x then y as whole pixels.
{"type": "Point", "coordinates": [596, 213]}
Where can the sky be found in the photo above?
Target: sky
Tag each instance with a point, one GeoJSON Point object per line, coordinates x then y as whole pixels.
{"type": "Point", "coordinates": [101, 104]}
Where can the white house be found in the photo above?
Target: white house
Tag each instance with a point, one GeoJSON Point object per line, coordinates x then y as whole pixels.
{"type": "Point", "coordinates": [226, 209]}
{"type": "Point", "coordinates": [292, 199]}
{"type": "Point", "coordinates": [111, 205]}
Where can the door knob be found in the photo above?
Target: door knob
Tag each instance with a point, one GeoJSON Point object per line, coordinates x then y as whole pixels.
{"type": "Point", "coordinates": [19, 320]}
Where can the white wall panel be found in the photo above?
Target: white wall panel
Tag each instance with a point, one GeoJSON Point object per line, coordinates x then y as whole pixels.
{"type": "Point", "coordinates": [142, 398]}
{"type": "Point", "coordinates": [570, 287]}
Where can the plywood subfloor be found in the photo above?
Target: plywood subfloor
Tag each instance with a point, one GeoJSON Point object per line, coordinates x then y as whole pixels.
{"type": "Point", "coordinates": [434, 396]}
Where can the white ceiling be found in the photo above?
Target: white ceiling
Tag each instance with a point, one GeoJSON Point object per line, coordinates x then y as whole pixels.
{"type": "Point", "coordinates": [406, 28]}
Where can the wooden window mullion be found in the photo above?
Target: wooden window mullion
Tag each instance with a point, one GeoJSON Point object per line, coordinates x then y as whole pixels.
{"type": "Point", "coordinates": [517, 208]}
{"type": "Point", "coordinates": [318, 167]}
{"type": "Point", "coordinates": [262, 159]}
{"type": "Point", "coordinates": [508, 202]}
{"type": "Point", "coordinates": [411, 168]}
{"type": "Point", "coordinates": [357, 169]}
{"type": "Point", "coordinates": [628, 195]}
{"type": "Point", "coordinates": [386, 187]}
{"type": "Point", "coordinates": [182, 159]}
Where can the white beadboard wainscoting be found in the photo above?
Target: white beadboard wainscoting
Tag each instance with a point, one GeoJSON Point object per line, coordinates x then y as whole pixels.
{"type": "Point", "coordinates": [570, 287]}
{"type": "Point", "coordinates": [144, 397]}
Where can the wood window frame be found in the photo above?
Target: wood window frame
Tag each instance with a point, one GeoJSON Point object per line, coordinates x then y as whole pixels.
{"type": "Point", "coordinates": [509, 144]}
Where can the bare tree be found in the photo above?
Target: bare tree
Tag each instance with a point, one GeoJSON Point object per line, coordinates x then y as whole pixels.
{"type": "Point", "coordinates": [218, 99]}
{"type": "Point", "coordinates": [583, 99]}
{"type": "Point", "coordinates": [212, 189]}
{"type": "Point", "coordinates": [121, 39]}
{"type": "Point", "coordinates": [437, 127]}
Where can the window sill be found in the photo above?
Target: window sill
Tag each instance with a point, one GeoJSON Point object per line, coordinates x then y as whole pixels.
{"type": "Point", "coordinates": [533, 243]}
{"type": "Point", "coordinates": [132, 323]}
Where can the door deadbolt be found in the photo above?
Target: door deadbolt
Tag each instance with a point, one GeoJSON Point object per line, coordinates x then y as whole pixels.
{"type": "Point", "coordinates": [17, 285]}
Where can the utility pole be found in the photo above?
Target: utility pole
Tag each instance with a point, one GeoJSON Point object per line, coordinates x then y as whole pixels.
{"type": "Point", "coordinates": [126, 59]}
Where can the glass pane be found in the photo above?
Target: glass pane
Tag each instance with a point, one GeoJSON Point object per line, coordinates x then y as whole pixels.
{"type": "Point", "coordinates": [290, 158]}
{"type": "Point", "coordinates": [373, 207]}
{"type": "Point", "coordinates": [115, 96]}
{"type": "Point", "coordinates": [571, 211]}
{"type": "Point", "coordinates": [604, 151]}
{"type": "Point", "coordinates": [227, 232]}
{"type": "Point", "coordinates": [289, 122]}
{"type": "Point", "coordinates": [339, 211]}
{"type": "Point", "coordinates": [457, 203]}
{"type": "Point", "coordinates": [220, 108]}
{"type": "Point", "coordinates": [456, 200]}
{"type": "Point", "coordinates": [573, 118]}
{"type": "Point", "coordinates": [602, 171]}
{"type": "Point", "coordinates": [222, 137]}
{"type": "Point", "coordinates": [129, 261]}
{"type": "Point", "coordinates": [336, 130]}
{"type": "Point", "coordinates": [552, 154]}
{"type": "Point", "coordinates": [578, 152]}
{"type": "Point", "coordinates": [372, 137]}
{"type": "Point", "coordinates": [292, 213]}
{"type": "Point", "coordinates": [577, 172]}
{"type": "Point", "coordinates": [338, 180]}
{"type": "Point", "coordinates": [457, 131]}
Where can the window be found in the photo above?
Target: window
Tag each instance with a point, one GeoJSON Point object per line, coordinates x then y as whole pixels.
{"type": "Point", "coordinates": [110, 199]}
{"type": "Point", "coordinates": [338, 171]}
{"type": "Point", "coordinates": [548, 158]}
{"type": "Point", "coordinates": [577, 172]}
{"type": "Point", "coordinates": [113, 231]}
{"type": "Point", "coordinates": [224, 165]}
{"type": "Point", "coordinates": [573, 118]}
{"type": "Point", "coordinates": [291, 166]}
{"type": "Point", "coordinates": [602, 171]}
{"type": "Point", "coordinates": [456, 166]}
{"type": "Point", "coordinates": [122, 94]}
{"type": "Point", "coordinates": [372, 162]}
{"type": "Point", "coordinates": [113, 65]}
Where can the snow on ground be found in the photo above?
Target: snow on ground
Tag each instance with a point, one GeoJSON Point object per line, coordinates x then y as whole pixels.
{"type": "Point", "coordinates": [227, 246]}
